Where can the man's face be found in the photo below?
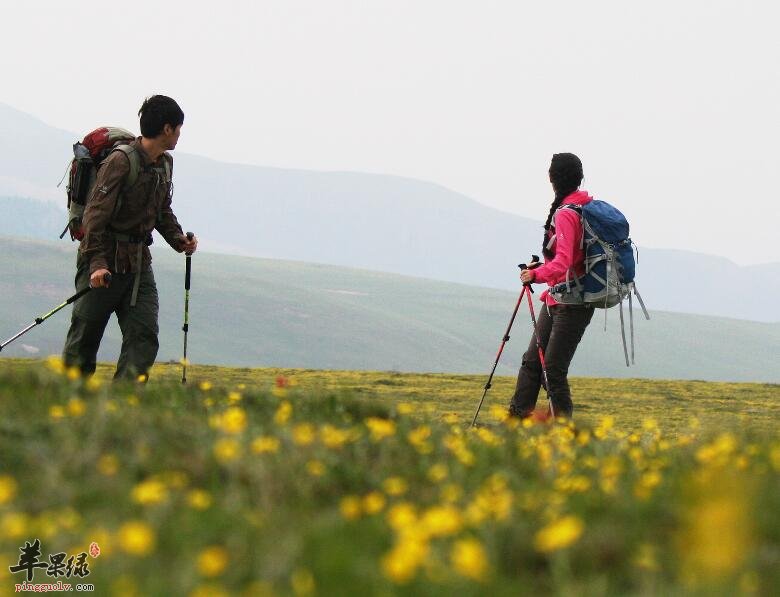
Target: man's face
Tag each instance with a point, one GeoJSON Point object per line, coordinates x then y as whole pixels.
{"type": "Point", "coordinates": [171, 136]}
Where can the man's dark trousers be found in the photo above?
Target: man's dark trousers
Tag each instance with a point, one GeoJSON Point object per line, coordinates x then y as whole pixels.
{"type": "Point", "coordinates": [560, 330]}
{"type": "Point", "coordinates": [138, 324]}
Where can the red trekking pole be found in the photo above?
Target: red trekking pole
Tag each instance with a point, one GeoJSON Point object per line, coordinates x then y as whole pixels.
{"type": "Point", "coordinates": [498, 356]}
{"type": "Point", "coordinates": [535, 263]}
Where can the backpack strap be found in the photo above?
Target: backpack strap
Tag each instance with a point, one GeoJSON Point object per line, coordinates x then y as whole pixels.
{"type": "Point", "coordinates": [135, 167]}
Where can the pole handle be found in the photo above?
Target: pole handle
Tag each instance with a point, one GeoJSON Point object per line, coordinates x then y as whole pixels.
{"type": "Point", "coordinates": [188, 265]}
{"type": "Point", "coordinates": [533, 265]}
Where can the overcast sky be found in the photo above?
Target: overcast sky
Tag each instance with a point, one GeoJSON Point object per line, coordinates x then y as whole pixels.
{"type": "Point", "coordinates": [674, 107]}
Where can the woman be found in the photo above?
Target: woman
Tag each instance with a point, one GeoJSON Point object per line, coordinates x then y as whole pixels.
{"type": "Point", "coordinates": [560, 327]}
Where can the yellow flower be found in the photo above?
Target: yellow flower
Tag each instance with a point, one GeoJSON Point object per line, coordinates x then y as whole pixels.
{"type": "Point", "coordinates": [199, 499]}
{"type": "Point", "coordinates": [136, 538]}
{"type": "Point", "coordinates": [373, 502]}
{"type": "Point", "coordinates": [438, 472]}
{"type": "Point", "coordinates": [441, 521]}
{"type": "Point", "coordinates": [55, 364]}
{"type": "Point", "coordinates": [283, 413]}
{"type": "Point", "coordinates": [559, 534]}
{"type": "Point", "coordinates": [419, 439]}
{"type": "Point", "coordinates": [302, 582]}
{"type": "Point", "coordinates": [499, 413]}
{"type": "Point", "coordinates": [212, 561]}
{"type": "Point", "coordinates": [380, 428]}
{"type": "Point", "coordinates": [304, 434]}
{"type": "Point", "coordinates": [234, 397]}
{"type": "Point", "coordinates": [488, 437]}
{"type": "Point", "coordinates": [233, 420]}
{"type": "Point", "coordinates": [265, 444]}
{"type": "Point", "coordinates": [315, 468]}
{"type": "Point", "coordinates": [405, 408]}
{"type": "Point", "coordinates": [143, 378]}
{"type": "Point", "coordinates": [451, 493]}
{"type": "Point", "coordinates": [108, 465]}
{"type": "Point", "coordinates": [8, 487]}
{"type": "Point", "coordinates": [56, 411]}
{"type": "Point", "coordinates": [401, 563]}
{"type": "Point", "coordinates": [395, 486]}
{"type": "Point", "coordinates": [226, 449]}
{"type": "Point", "coordinates": [150, 492]}
{"type": "Point", "coordinates": [451, 419]}
{"type": "Point", "coordinates": [402, 516]}
{"type": "Point", "coordinates": [133, 400]}
{"type": "Point", "coordinates": [332, 437]}
{"type": "Point", "coordinates": [14, 525]}
{"type": "Point", "coordinates": [76, 407]}
{"type": "Point", "coordinates": [205, 386]}
{"type": "Point", "coordinates": [350, 507]}
{"type": "Point", "coordinates": [469, 559]}
{"type": "Point", "coordinates": [605, 426]}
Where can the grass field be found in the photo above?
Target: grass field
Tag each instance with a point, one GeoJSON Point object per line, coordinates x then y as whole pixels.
{"type": "Point", "coordinates": [303, 482]}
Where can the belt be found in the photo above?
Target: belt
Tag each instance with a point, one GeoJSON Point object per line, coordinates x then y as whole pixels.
{"type": "Point", "coordinates": [140, 242]}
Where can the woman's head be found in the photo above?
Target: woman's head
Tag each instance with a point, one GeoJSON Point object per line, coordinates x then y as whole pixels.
{"type": "Point", "coordinates": [565, 173]}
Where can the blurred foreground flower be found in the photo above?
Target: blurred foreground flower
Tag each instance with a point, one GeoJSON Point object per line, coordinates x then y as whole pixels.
{"type": "Point", "coordinates": [559, 534]}
{"type": "Point", "coordinates": [470, 559]}
{"type": "Point", "coordinates": [8, 488]}
{"type": "Point", "coordinates": [136, 538]}
{"type": "Point", "coordinates": [212, 561]}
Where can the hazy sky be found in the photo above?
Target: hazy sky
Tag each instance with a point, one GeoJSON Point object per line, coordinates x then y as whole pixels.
{"type": "Point", "coordinates": [674, 107]}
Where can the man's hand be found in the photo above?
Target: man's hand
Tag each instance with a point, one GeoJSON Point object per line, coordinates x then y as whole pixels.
{"type": "Point", "coordinates": [527, 276]}
{"type": "Point", "coordinates": [98, 279]}
{"type": "Point", "coordinates": [189, 245]}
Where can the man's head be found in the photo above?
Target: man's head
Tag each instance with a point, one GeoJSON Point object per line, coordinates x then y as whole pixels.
{"type": "Point", "coordinates": [161, 118]}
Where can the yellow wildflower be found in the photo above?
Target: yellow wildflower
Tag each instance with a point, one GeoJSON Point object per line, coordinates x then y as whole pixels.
{"type": "Point", "coordinates": [315, 468]}
{"type": "Point", "coordinates": [405, 408]}
{"type": "Point", "coordinates": [302, 582]}
{"type": "Point", "coordinates": [8, 487]}
{"type": "Point", "coordinates": [402, 516]}
{"type": "Point", "coordinates": [136, 538]}
{"type": "Point", "coordinates": [199, 499]}
{"type": "Point", "coordinates": [233, 420]}
{"type": "Point", "coordinates": [333, 437]}
{"type": "Point", "coordinates": [559, 534]}
{"type": "Point", "coordinates": [212, 561]}
{"type": "Point", "coordinates": [395, 486]}
{"type": "Point", "coordinates": [350, 507]}
{"type": "Point", "coordinates": [441, 521]}
{"type": "Point", "coordinates": [265, 444]}
{"type": "Point", "coordinates": [205, 386]}
{"type": "Point", "coordinates": [56, 411]}
{"type": "Point", "coordinates": [55, 364]}
{"type": "Point", "coordinates": [373, 502]}
{"type": "Point", "coordinates": [401, 563]}
{"type": "Point", "coordinates": [438, 472]}
{"type": "Point", "coordinates": [76, 407]}
{"type": "Point", "coordinates": [226, 449]}
{"type": "Point", "coordinates": [149, 492]}
{"type": "Point", "coordinates": [469, 559]}
{"type": "Point", "coordinates": [418, 437]}
{"type": "Point", "coordinates": [108, 465]}
{"type": "Point", "coordinates": [234, 397]}
{"type": "Point", "coordinates": [304, 434]}
{"type": "Point", "coordinates": [380, 428]}
{"type": "Point", "coordinates": [283, 413]}
{"type": "Point", "coordinates": [14, 525]}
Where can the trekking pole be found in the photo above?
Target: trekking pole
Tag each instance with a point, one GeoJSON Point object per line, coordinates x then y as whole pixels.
{"type": "Point", "coordinates": [498, 356]}
{"type": "Point", "coordinates": [186, 327]}
{"type": "Point", "coordinates": [42, 318]}
{"type": "Point", "coordinates": [535, 263]}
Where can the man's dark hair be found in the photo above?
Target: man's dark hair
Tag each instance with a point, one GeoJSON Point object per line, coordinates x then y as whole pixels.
{"type": "Point", "coordinates": [156, 112]}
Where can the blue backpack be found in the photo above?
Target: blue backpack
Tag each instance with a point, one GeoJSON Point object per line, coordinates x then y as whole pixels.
{"type": "Point", "coordinates": [610, 266]}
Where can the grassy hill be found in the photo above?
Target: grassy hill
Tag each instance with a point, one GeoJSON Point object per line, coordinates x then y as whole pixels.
{"type": "Point", "coordinates": [269, 482]}
{"type": "Point", "coordinates": [259, 312]}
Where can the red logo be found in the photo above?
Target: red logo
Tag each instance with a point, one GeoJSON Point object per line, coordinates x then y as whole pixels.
{"type": "Point", "coordinates": [94, 550]}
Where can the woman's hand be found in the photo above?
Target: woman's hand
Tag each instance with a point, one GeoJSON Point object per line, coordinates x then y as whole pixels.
{"type": "Point", "coordinates": [527, 276]}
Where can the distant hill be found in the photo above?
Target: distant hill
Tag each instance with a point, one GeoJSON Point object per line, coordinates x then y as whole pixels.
{"type": "Point", "coordinates": [377, 222]}
{"type": "Point", "coordinates": [252, 312]}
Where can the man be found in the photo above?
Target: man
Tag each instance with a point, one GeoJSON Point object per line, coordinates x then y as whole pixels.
{"type": "Point", "coordinates": [131, 198]}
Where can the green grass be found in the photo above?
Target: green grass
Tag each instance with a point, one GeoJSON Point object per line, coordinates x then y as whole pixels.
{"type": "Point", "coordinates": [306, 482]}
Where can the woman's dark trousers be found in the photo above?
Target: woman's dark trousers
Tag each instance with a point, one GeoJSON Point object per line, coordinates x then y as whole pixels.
{"type": "Point", "coordinates": [560, 330]}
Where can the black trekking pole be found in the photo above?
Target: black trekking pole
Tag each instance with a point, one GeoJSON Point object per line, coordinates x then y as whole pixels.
{"type": "Point", "coordinates": [534, 264]}
{"type": "Point", "coordinates": [498, 356]}
{"type": "Point", "coordinates": [42, 318]}
{"type": "Point", "coordinates": [186, 327]}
